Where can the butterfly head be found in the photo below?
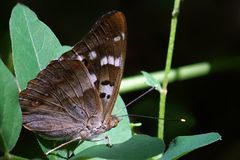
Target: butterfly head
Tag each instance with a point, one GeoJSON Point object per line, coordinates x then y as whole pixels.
{"type": "Point", "coordinates": [95, 126]}
{"type": "Point", "coordinates": [113, 122]}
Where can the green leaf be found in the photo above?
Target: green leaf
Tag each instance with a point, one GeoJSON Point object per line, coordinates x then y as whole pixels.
{"type": "Point", "coordinates": [184, 144]}
{"type": "Point", "coordinates": [61, 153]}
{"type": "Point", "coordinates": [10, 113]}
{"type": "Point", "coordinates": [12, 157]}
{"type": "Point", "coordinates": [139, 147]}
{"type": "Point", "coordinates": [151, 81]}
{"type": "Point", "coordinates": [34, 45]}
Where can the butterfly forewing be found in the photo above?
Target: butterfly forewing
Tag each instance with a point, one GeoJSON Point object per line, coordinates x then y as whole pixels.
{"type": "Point", "coordinates": [103, 52]}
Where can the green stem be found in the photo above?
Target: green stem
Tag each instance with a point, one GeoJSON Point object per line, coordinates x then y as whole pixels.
{"type": "Point", "coordinates": [138, 82]}
{"type": "Point", "coordinates": [163, 94]}
{"type": "Point", "coordinates": [8, 156]}
{"type": "Point", "coordinates": [187, 72]}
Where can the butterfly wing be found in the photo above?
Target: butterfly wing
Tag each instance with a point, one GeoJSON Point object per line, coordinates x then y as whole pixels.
{"type": "Point", "coordinates": [103, 52]}
{"type": "Point", "coordinates": [60, 100]}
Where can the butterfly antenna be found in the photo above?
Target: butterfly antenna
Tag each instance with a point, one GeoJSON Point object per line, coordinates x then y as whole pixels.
{"type": "Point", "coordinates": [143, 94]}
{"type": "Point", "coordinates": [149, 90]}
{"type": "Point", "coordinates": [64, 144]}
{"type": "Point", "coordinates": [150, 117]}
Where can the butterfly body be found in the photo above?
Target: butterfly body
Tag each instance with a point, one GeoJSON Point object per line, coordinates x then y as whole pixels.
{"type": "Point", "coordinates": [74, 96]}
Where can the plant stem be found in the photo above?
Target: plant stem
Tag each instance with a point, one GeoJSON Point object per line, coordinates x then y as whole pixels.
{"type": "Point", "coordinates": [8, 156]}
{"type": "Point", "coordinates": [163, 93]}
{"type": "Point", "coordinates": [187, 72]}
{"type": "Point", "coordinates": [182, 73]}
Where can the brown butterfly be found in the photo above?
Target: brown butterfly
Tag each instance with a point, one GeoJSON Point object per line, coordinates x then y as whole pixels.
{"type": "Point", "coordinates": [73, 97]}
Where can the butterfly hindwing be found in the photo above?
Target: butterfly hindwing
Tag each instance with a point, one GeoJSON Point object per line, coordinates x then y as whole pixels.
{"type": "Point", "coordinates": [60, 100]}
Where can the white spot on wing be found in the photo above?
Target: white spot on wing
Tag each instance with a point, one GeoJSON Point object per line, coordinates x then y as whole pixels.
{"type": "Point", "coordinates": [123, 36]}
{"type": "Point", "coordinates": [93, 77]}
{"type": "Point", "coordinates": [118, 38]}
{"type": "Point", "coordinates": [106, 89]}
{"type": "Point", "coordinates": [80, 57]}
{"type": "Point", "coordinates": [92, 55]}
{"type": "Point", "coordinates": [104, 61]}
{"type": "Point", "coordinates": [111, 60]}
{"type": "Point", "coordinates": [117, 62]}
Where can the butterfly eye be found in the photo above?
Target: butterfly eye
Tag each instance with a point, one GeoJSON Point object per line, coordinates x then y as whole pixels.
{"type": "Point", "coordinates": [114, 122]}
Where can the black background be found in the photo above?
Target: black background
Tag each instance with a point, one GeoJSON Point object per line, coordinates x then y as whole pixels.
{"type": "Point", "coordinates": [208, 30]}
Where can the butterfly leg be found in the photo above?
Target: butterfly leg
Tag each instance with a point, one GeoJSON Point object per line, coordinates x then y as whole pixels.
{"type": "Point", "coordinates": [109, 144]}
{"type": "Point", "coordinates": [64, 144]}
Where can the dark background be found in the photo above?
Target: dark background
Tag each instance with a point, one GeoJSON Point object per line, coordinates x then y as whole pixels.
{"type": "Point", "coordinates": [208, 31]}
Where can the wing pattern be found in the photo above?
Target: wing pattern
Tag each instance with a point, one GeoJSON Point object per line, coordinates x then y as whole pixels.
{"type": "Point", "coordinates": [62, 97]}
{"type": "Point", "coordinates": [103, 52]}
{"type": "Point", "coordinates": [81, 85]}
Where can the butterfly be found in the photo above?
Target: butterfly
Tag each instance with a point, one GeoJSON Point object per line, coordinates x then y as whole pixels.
{"type": "Point", "coordinates": [74, 96]}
